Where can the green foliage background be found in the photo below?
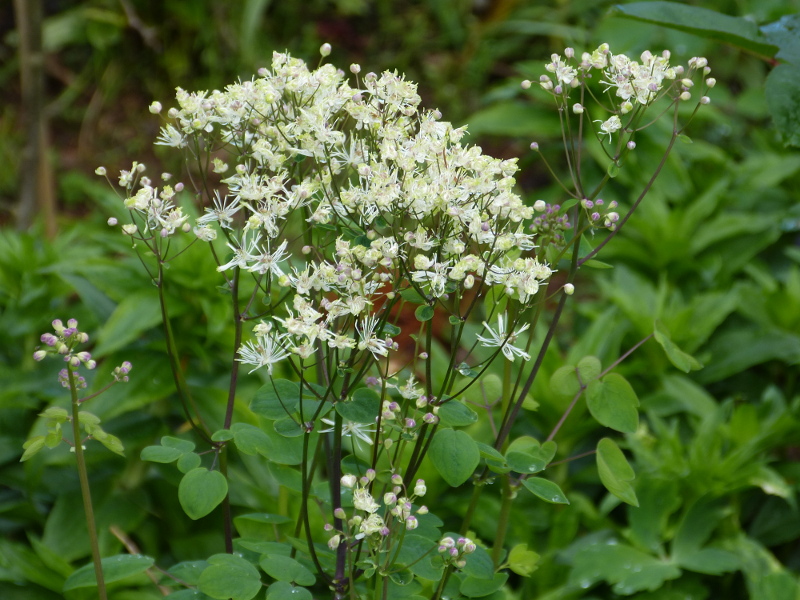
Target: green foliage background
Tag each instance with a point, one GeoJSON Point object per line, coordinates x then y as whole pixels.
{"type": "Point", "coordinates": [712, 254]}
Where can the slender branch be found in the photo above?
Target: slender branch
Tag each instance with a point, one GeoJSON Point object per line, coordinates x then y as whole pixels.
{"type": "Point", "coordinates": [86, 493]}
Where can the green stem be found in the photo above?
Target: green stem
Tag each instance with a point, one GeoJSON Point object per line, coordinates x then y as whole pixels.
{"type": "Point", "coordinates": [86, 493]}
{"type": "Point", "coordinates": [502, 521]}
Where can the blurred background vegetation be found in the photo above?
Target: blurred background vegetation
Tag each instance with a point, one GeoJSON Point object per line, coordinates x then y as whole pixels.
{"type": "Point", "coordinates": [714, 253]}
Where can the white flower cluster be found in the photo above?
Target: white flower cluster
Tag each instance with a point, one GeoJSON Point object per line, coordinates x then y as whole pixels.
{"type": "Point", "coordinates": [390, 195]}
{"type": "Point", "coordinates": [366, 521]}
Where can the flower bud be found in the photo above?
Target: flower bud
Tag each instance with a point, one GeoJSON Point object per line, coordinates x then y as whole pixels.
{"type": "Point", "coordinates": [631, 145]}
{"type": "Point", "coordinates": [526, 84]}
{"type": "Point", "coordinates": [325, 49]}
{"type": "Point", "coordinates": [705, 100]}
{"type": "Point", "coordinates": [685, 96]}
{"type": "Point", "coordinates": [420, 488]}
{"type": "Point", "coordinates": [39, 355]}
{"type": "Point", "coordinates": [348, 481]}
{"type": "Point", "coordinates": [102, 170]}
{"type": "Point", "coordinates": [339, 513]}
{"type": "Point", "coordinates": [155, 108]}
{"type": "Point", "coordinates": [569, 289]}
{"type": "Point", "coordinates": [577, 108]}
{"type": "Point", "coordinates": [535, 146]}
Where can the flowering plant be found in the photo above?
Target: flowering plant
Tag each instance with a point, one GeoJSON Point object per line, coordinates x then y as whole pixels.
{"type": "Point", "coordinates": [335, 209]}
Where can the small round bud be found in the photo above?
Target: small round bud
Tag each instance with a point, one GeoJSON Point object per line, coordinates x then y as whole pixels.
{"type": "Point", "coordinates": [685, 96]}
{"type": "Point", "coordinates": [355, 69]}
{"type": "Point", "coordinates": [102, 170]}
{"type": "Point", "coordinates": [705, 100]}
{"type": "Point", "coordinates": [569, 289]}
{"type": "Point", "coordinates": [39, 355]}
{"type": "Point", "coordinates": [325, 49]}
{"type": "Point", "coordinates": [577, 108]}
{"type": "Point", "coordinates": [631, 145]}
{"type": "Point", "coordinates": [569, 52]}
{"type": "Point", "coordinates": [710, 82]}
{"type": "Point", "coordinates": [155, 108]}
{"type": "Point", "coordinates": [397, 479]}
{"type": "Point", "coordinates": [348, 481]}
{"type": "Point", "coordinates": [112, 221]}
{"type": "Point", "coordinates": [687, 83]}
{"type": "Point", "coordinates": [526, 84]}
{"type": "Point", "coordinates": [179, 186]}
{"type": "Point", "coordinates": [140, 167]}
{"type": "Point", "coordinates": [534, 146]}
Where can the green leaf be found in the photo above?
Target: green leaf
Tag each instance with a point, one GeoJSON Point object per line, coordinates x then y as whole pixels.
{"type": "Point", "coordinates": [283, 590]}
{"type": "Point", "coordinates": [189, 571]}
{"type": "Point", "coordinates": [276, 399]}
{"type": "Point", "coordinates": [250, 440]}
{"type": "Point", "coordinates": [284, 568]}
{"type": "Point", "coordinates": [115, 568]}
{"type": "Point", "coordinates": [696, 527]}
{"type": "Point", "coordinates": [413, 296]}
{"type": "Point", "coordinates": [53, 437]}
{"type": "Point", "coordinates": [613, 403]}
{"type": "Point", "coordinates": [230, 576]}
{"type": "Point", "coordinates": [133, 316]}
{"type": "Point", "coordinates": [363, 407]}
{"type": "Point", "coordinates": [32, 447]}
{"type": "Point", "coordinates": [288, 427]}
{"type": "Point", "coordinates": [523, 561]}
{"type": "Point", "coordinates": [675, 355]}
{"type": "Point", "coordinates": [564, 381]}
{"type": "Point", "coordinates": [55, 413]}
{"type": "Point", "coordinates": [424, 313]}
{"type": "Point", "coordinates": [704, 22]}
{"type": "Point", "coordinates": [223, 435]}
{"type": "Point", "coordinates": [455, 413]}
{"type": "Point", "coordinates": [188, 462]}
{"type": "Point", "coordinates": [160, 454]}
{"type": "Point", "coordinates": [201, 491]}
{"type": "Point", "coordinates": [783, 93]}
{"type": "Point", "coordinates": [783, 33]}
{"type": "Point", "coordinates": [479, 564]}
{"type": "Point", "coordinates": [615, 472]}
{"type": "Point", "coordinates": [418, 554]}
{"type": "Point", "coordinates": [711, 561]}
{"type": "Point", "coordinates": [111, 442]}
{"type": "Point", "coordinates": [472, 587]}
{"type": "Point", "coordinates": [455, 455]}
{"type": "Point", "coordinates": [629, 570]}
{"type": "Point", "coordinates": [173, 442]}
{"type": "Point", "coordinates": [546, 490]}
{"type": "Point", "coordinates": [589, 368]}
{"type": "Point", "coordinates": [526, 455]}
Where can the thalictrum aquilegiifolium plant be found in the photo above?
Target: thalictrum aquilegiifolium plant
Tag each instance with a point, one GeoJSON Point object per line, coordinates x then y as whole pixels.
{"type": "Point", "coordinates": [335, 207]}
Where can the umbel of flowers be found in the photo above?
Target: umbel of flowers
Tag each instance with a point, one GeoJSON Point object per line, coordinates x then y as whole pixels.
{"type": "Point", "coordinates": [329, 201]}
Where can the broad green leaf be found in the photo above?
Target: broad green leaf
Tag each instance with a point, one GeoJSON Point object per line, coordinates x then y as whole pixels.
{"type": "Point", "coordinates": [564, 381]}
{"type": "Point", "coordinates": [284, 568]}
{"type": "Point", "coordinates": [455, 455]}
{"type": "Point", "coordinates": [783, 34]}
{"type": "Point", "coordinates": [160, 454]}
{"type": "Point", "coordinates": [455, 413]}
{"type": "Point", "coordinates": [676, 356]}
{"type": "Point", "coordinates": [615, 472]}
{"type": "Point", "coordinates": [173, 442]}
{"type": "Point", "coordinates": [189, 571]}
{"type": "Point", "coordinates": [782, 92]}
{"type": "Point", "coordinates": [739, 349]}
{"type": "Point", "coordinates": [613, 403]}
{"type": "Point", "coordinates": [512, 118]}
{"type": "Point", "coordinates": [414, 547]}
{"type": "Point", "coordinates": [523, 561]}
{"type": "Point", "coordinates": [589, 368]}
{"type": "Point", "coordinates": [288, 427]}
{"type": "Point", "coordinates": [545, 489]}
{"type": "Point", "coordinates": [276, 399]}
{"type": "Point", "coordinates": [526, 455]}
{"type": "Point", "coordinates": [88, 419]}
{"type": "Point", "coordinates": [710, 561]}
{"type": "Point", "coordinates": [363, 407]}
{"type": "Point", "coordinates": [32, 447]}
{"type": "Point", "coordinates": [479, 564]}
{"type": "Point", "coordinates": [472, 587]}
{"type": "Point", "coordinates": [188, 461]}
{"type": "Point", "coordinates": [658, 499]}
{"type": "Point", "coordinates": [629, 570]}
{"type": "Point", "coordinates": [250, 439]}
{"type": "Point", "coordinates": [201, 491]}
{"type": "Point", "coordinates": [188, 594]}
{"type": "Point", "coordinates": [111, 442]}
{"type": "Point", "coordinates": [223, 435]}
{"type": "Point", "coordinates": [424, 313]}
{"type": "Point", "coordinates": [56, 413]}
{"type": "Point", "coordinates": [696, 527]}
{"type": "Point", "coordinates": [53, 437]}
{"type": "Point", "coordinates": [704, 22]}
{"type": "Point", "coordinates": [115, 568]}
{"type": "Point", "coordinates": [230, 576]}
{"type": "Point", "coordinates": [134, 315]}
{"type": "Point", "coordinates": [283, 590]}
{"type": "Point", "coordinates": [413, 296]}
